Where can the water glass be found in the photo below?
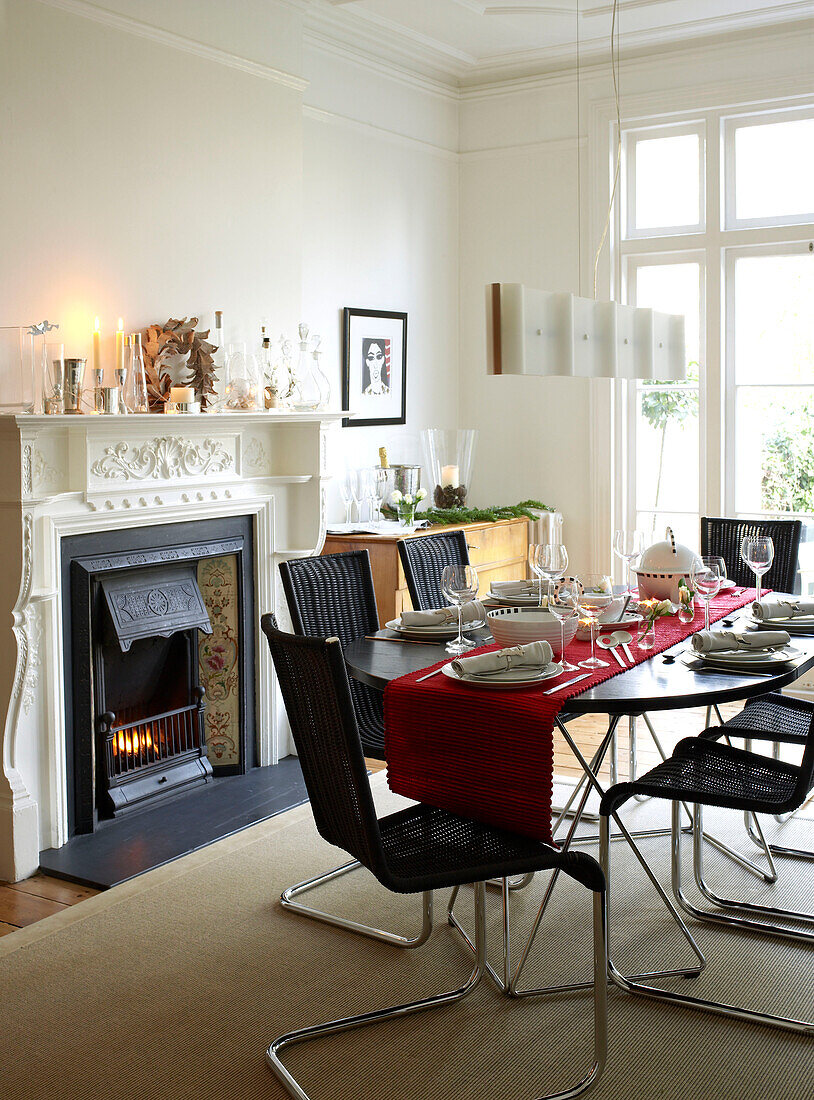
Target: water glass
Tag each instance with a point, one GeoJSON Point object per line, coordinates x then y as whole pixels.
{"type": "Point", "coordinates": [596, 592]}
{"type": "Point", "coordinates": [758, 553]}
{"type": "Point", "coordinates": [563, 606]}
{"type": "Point", "coordinates": [535, 557]}
{"type": "Point", "coordinates": [553, 563]}
{"type": "Point", "coordinates": [628, 545]}
{"type": "Point", "coordinates": [459, 583]}
{"type": "Point", "coordinates": [706, 576]}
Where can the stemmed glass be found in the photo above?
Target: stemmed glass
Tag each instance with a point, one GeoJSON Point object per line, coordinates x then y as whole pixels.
{"type": "Point", "coordinates": [628, 545]}
{"type": "Point", "coordinates": [758, 553]}
{"type": "Point", "coordinates": [378, 486]}
{"type": "Point", "coordinates": [366, 492]}
{"type": "Point", "coordinates": [459, 583]}
{"type": "Point", "coordinates": [347, 496]}
{"type": "Point", "coordinates": [706, 576]}
{"type": "Point", "coordinates": [553, 563]}
{"type": "Point", "coordinates": [535, 557]}
{"type": "Point", "coordinates": [563, 605]}
{"type": "Point", "coordinates": [595, 595]}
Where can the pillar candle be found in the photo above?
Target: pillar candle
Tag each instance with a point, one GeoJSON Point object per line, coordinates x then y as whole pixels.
{"type": "Point", "coordinates": [450, 477]}
{"type": "Point", "coordinates": [120, 345]}
{"type": "Point", "coordinates": [96, 357]}
{"type": "Point", "coordinates": [182, 394]}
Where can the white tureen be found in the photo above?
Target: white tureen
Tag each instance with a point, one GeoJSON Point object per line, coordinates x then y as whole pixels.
{"type": "Point", "coordinates": [662, 566]}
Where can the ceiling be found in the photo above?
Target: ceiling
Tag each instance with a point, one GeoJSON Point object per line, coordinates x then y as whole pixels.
{"type": "Point", "coordinates": [473, 41]}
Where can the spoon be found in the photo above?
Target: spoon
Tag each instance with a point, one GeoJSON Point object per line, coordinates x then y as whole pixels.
{"type": "Point", "coordinates": [622, 637]}
{"type": "Point", "coordinates": [609, 643]}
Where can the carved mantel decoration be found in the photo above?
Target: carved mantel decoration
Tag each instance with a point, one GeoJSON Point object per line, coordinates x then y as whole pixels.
{"type": "Point", "coordinates": [61, 476]}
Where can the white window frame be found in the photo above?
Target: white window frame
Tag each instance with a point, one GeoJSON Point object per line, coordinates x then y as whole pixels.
{"type": "Point", "coordinates": [632, 138]}
{"type": "Point", "coordinates": [733, 123]}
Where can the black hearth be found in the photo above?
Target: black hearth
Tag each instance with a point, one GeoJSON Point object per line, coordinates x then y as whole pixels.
{"type": "Point", "coordinates": [134, 619]}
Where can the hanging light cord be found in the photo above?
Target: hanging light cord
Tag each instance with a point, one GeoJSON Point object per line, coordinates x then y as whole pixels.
{"type": "Point", "coordinates": [614, 52]}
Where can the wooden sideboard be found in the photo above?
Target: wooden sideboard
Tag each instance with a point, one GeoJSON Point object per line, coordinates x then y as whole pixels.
{"type": "Point", "coordinates": [498, 550]}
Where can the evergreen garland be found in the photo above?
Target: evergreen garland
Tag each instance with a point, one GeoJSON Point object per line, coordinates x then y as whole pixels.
{"type": "Point", "coordinates": [444, 517]}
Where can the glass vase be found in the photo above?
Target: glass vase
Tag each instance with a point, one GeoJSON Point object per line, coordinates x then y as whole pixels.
{"type": "Point", "coordinates": [406, 514]}
{"type": "Point", "coordinates": [244, 383]}
{"type": "Point", "coordinates": [448, 455]}
{"type": "Point", "coordinates": [647, 634]}
{"type": "Point", "coordinates": [136, 398]}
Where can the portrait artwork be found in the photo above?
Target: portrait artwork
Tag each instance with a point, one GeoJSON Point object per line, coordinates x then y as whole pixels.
{"type": "Point", "coordinates": [374, 367]}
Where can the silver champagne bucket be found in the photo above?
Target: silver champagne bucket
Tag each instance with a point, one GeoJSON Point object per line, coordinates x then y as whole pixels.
{"type": "Point", "coordinates": [405, 478]}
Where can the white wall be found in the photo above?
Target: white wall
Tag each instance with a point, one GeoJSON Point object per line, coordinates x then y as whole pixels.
{"type": "Point", "coordinates": [380, 231]}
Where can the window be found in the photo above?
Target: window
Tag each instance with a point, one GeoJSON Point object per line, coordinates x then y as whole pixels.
{"type": "Point", "coordinates": [718, 224]}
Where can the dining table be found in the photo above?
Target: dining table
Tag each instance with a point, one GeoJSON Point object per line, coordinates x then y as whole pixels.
{"type": "Point", "coordinates": [669, 680]}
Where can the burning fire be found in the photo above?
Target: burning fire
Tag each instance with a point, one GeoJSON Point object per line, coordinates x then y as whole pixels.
{"type": "Point", "coordinates": [130, 742]}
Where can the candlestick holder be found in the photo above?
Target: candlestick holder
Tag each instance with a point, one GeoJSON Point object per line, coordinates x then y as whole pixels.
{"type": "Point", "coordinates": [183, 408]}
{"type": "Point", "coordinates": [74, 378]}
{"type": "Point", "coordinates": [448, 456]}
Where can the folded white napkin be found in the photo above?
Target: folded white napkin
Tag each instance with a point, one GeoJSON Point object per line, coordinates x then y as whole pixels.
{"type": "Point", "coordinates": [776, 607]}
{"type": "Point", "coordinates": [707, 641]}
{"type": "Point", "coordinates": [516, 588]}
{"type": "Point", "coordinates": [472, 612]}
{"type": "Point", "coordinates": [535, 655]}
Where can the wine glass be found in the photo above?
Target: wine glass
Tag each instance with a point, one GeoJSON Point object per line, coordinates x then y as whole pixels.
{"type": "Point", "coordinates": [596, 592]}
{"type": "Point", "coordinates": [355, 493]}
{"type": "Point", "coordinates": [706, 576]}
{"type": "Point", "coordinates": [535, 557]}
{"type": "Point", "coordinates": [563, 606]}
{"type": "Point", "coordinates": [758, 553]}
{"type": "Point", "coordinates": [459, 583]}
{"type": "Point", "coordinates": [553, 563]}
{"type": "Point", "coordinates": [347, 496]}
{"type": "Point", "coordinates": [378, 487]}
{"type": "Point", "coordinates": [366, 492]}
{"type": "Point", "coordinates": [628, 545]}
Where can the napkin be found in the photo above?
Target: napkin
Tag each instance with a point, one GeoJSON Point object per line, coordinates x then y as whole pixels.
{"type": "Point", "coordinates": [707, 641]}
{"type": "Point", "coordinates": [472, 612]}
{"type": "Point", "coordinates": [516, 588]}
{"type": "Point", "coordinates": [535, 655]}
{"type": "Point", "coordinates": [775, 607]}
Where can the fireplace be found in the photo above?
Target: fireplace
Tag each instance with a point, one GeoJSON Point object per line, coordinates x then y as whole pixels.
{"type": "Point", "coordinates": [139, 647]}
{"type": "Point", "coordinates": [148, 699]}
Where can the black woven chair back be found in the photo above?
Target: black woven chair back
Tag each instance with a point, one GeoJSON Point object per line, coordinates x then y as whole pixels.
{"type": "Point", "coordinates": [423, 560]}
{"type": "Point", "coordinates": [333, 596]}
{"type": "Point", "coordinates": [724, 536]}
{"type": "Point", "coordinates": [315, 688]}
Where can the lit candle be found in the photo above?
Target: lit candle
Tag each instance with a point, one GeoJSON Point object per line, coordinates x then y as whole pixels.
{"type": "Point", "coordinates": [120, 345]}
{"type": "Point", "coordinates": [182, 395]}
{"type": "Point", "coordinates": [96, 358]}
{"type": "Point", "coordinates": [450, 477]}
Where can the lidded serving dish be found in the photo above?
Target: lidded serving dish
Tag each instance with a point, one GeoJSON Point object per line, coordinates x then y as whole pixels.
{"type": "Point", "coordinates": [662, 566]}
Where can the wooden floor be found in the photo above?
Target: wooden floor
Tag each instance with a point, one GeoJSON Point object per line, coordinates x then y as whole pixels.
{"type": "Point", "coordinates": [24, 903]}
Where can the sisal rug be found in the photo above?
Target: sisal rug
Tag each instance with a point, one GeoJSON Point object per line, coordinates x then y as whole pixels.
{"type": "Point", "coordinates": [170, 986]}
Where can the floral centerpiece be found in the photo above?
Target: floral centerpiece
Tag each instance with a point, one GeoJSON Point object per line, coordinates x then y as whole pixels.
{"type": "Point", "coordinates": [651, 610]}
{"type": "Point", "coordinates": [406, 504]}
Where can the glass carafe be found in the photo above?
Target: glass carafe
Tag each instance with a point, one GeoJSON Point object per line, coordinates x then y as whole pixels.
{"type": "Point", "coordinates": [135, 396]}
{"type": "Point", "coordinates": [307, 394]}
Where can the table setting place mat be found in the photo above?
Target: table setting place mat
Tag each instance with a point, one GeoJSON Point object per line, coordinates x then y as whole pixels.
{"type": "Point", "coordinates": [489, 755]}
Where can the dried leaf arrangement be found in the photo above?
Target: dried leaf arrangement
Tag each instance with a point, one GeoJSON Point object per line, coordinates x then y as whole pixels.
{"type": "Point", "coordinates": [176, 355]}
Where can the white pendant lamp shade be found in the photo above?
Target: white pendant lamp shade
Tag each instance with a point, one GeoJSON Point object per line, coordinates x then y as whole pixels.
{"type": "Point", "coordinates": [538, 332]}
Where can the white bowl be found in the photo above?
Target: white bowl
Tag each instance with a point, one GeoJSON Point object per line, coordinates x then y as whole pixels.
{"type": "Point", "coordinates": [521, 625]}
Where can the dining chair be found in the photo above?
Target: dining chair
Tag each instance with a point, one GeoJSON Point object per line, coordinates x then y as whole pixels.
{"type": "Point", "coordinates": [704, 772]}
{"type": "Point", "coordinates": [415, 850]}
{"type": "Point", "coordinates": [723, 536]}
{"type": "Point", "coordinates": [333, 595]}
{"type": "Point", "coordinates": [423, 560]}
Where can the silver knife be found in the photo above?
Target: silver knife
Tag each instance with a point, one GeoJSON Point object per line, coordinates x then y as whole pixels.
{"type": "Point", "coordinates": [576, 680]}
{"type": "Point", "coordinates": [433, 673]}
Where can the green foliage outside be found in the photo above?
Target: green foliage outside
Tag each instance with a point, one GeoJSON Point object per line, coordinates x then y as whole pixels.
{"type": "Point", "coordinates": [662, 407]}
{"type": "Point", "coordinates": [787, 460]}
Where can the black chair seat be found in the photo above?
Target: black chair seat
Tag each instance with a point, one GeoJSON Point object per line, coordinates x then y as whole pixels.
{"type": "Point", "coordinates": [426, 848]}
{"type": "Point", "coordinates": [715, 775]}
{"type": "Point", "coordinates": [769, 718]}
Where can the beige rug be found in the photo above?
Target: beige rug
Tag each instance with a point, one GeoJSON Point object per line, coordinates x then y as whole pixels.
{"type": "Point", "coordinates": [171, 985]}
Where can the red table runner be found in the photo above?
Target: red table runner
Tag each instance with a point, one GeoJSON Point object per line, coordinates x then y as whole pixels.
{"type": "Point", "coordinates": [489, 754]}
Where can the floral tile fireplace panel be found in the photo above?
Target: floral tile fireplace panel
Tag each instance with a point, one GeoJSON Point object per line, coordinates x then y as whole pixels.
{"type": "Point", "coordinates": [219, 659]}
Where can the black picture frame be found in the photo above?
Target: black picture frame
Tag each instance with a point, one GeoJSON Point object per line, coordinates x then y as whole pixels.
{"type": "Point", "coordinates": [376, 393]}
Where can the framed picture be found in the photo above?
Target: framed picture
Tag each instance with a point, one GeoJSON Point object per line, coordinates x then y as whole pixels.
{"type": "Point", "coordinates": [374, 367]}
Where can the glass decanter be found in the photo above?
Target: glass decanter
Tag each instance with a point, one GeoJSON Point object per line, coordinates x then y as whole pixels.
{"type": "Point", "coordinates": [135, 396]}
{"type": "Point", "coordinates": [307, 395]}
{"type": "Point", "coordinates": [322, 378]}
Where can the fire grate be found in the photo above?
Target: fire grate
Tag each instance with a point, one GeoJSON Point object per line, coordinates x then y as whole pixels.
{"type": "Point", "coordinates": [150, 741]}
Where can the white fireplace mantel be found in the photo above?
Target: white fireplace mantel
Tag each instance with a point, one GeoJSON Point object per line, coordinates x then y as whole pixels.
{"type": "Point", "coordinates": [68, 475]}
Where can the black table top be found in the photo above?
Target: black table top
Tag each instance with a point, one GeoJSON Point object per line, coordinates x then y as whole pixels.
{"type": "Point", "coordinates": [653, 685]}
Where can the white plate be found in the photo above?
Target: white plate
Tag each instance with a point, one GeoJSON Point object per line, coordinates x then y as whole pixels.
{"type": "Point", "coordinates": [738, 659]}
{"type": "Point", "coordinates": [432, 632]}
{"type": "Point", "coordinates": [516, 601]}
{"type": "Point", "coordinates": [801, 624]}
{"type": "Point", "coordinates": [516, 677]}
